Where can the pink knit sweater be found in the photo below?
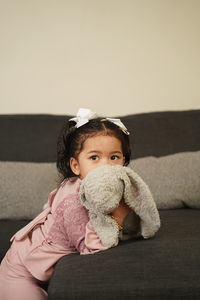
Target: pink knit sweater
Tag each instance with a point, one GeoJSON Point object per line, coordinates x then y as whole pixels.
{"type": "Point", "coordinates": [62, 228]}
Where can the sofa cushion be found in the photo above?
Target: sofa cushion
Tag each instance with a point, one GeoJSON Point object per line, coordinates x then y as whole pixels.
{"type": "Point", "coordinates": [33, 138]}
{"type": "Point", "coordinates": [174, 180]}
{"type": "Point", "coordinates": [25, 188]}
{"type": "Point", "coordinates": [29, 138]}
{"type": "Point", "coordinates": [7, 230]}
{"type": "Point", "coordinates": [165, 267]}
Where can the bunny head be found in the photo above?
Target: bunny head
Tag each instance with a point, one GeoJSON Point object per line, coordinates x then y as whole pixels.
{"type": "Point", "coordinates": [101, 192]}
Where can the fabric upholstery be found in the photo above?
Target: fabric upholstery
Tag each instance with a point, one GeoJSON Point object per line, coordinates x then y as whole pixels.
{"type": "Point", "coordinates": [163, 268]}
{"type": "Point", "coordinates": [174, 180]}
{"type": "Point", "coordinates": [25, 188]}
{"type": "Point", "coordinates": [7, 230]}
{"type": "Point", "coordinates": [33, 137]}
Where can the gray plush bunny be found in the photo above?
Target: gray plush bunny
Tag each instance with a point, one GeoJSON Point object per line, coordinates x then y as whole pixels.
{"type": "Point", "coordinates": [101, 192]}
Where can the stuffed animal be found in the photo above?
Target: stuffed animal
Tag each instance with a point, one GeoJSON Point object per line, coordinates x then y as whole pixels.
{"type": "Point", "coordinates": [101, 192]}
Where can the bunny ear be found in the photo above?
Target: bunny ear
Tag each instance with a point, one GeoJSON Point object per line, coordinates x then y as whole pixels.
{"type": "Point", "coordinates": [106, 228]}
{"type": "Point", "coordinates": [83, 199]}
{"type": "Point", "coordinates": [82, 194]}
{"type": "Point", "coordinates": [138, 197]}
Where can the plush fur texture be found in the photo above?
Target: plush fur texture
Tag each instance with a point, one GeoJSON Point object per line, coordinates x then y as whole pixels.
{"type": "Point", "coordinates": [103, 189]}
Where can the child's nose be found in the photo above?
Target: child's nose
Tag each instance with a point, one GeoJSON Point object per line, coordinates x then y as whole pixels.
{"type": "Point", "coordinates": [106, 161]}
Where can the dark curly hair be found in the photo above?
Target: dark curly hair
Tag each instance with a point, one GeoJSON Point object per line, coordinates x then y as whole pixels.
{"type": "Point", "coordinates": [71, 140]}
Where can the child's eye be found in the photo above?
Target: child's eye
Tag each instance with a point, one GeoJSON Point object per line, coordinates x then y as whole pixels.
{"type": "Point", "coordinates": [114, 157]}
{"type": "Point", "coordinates": [94, 157]}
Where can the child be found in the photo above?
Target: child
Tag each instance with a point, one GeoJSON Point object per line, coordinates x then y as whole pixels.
{"type": "Point", "coordinates": [85, 142]}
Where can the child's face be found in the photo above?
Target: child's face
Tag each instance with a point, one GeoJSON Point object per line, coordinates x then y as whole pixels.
{"type": "Point", "coordinates": [97, 151]}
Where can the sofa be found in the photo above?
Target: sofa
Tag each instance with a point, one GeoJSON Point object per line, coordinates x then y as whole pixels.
{"type": "Point", "coordinates": [166, 154]}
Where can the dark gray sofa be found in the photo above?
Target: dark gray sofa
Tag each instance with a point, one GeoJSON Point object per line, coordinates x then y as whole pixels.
{"type": "Point", "coordinates": [165, 267]}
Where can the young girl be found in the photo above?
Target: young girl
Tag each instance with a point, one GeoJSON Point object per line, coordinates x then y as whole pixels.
{"type": "Point", "coordinates": [85, 142]}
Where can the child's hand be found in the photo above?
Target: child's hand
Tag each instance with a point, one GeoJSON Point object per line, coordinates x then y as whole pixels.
{"type": "Point", "coordinates": [121, 212]}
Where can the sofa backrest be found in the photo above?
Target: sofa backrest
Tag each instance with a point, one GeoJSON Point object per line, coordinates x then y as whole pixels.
{"type": "Point", "coordinates": [28, 155]}
{"type": "Point", "coordinates": [32, 138]}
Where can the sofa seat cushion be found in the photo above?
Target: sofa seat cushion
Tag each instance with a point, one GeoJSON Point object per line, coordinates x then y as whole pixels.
{"type": "Point", "coordinates": [165, 267]}
{"type": "Point", "coordinates": [7, 230]}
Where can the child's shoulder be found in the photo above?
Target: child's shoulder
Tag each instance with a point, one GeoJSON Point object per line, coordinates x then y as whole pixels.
{"type": "Point", "coordinates": [71, 185]}
{"type": "Point", "coordinates": [67, 199]}
{"type": "Point", "coordinates": [68, 187]}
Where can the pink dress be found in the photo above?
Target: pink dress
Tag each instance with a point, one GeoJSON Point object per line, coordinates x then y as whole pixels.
{"type": "Point", "coordinates": [62, 228]}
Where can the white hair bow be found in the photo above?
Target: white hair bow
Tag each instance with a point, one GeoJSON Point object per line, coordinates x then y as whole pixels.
{"type": "Point", "coordinates": [84, 115]}
{"type": "Point", "coordinates": [119, 123]}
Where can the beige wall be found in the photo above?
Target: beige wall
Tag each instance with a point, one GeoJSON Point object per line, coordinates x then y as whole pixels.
{"type": "Point", "coordinates": [114, 56]}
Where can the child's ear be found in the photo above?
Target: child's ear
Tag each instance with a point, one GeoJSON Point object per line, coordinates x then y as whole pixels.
{"type": "Point", "coordinates": [74, 165]}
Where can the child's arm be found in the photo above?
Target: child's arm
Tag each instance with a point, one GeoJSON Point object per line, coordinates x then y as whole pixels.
{"type": "Point", "coordinates": [92, 241]}
{"type": "Point", "coordinates": [121, 212]}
